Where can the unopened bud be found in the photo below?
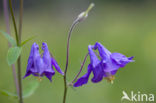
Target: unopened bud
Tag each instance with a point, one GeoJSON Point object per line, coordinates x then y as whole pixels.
{"type": "Point", "coordinates": [82, 16]}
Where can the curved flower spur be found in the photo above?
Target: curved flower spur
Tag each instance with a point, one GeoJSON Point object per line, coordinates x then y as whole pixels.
{"type": "Point", "coordinates": [105, 66]}
{"type": "Point", "coordinates": [41, 65]}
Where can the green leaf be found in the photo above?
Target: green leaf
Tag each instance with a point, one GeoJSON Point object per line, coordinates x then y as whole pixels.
{"type": "Point", "coordinates": [24, 42]}
{"type": "Point", "coordinates": [27, 92]}
{"type": "Point", "coordinates": [30, 89]}
{"type": "Point", "coordinates": [9, 38]}
{"type": "Point", "coordinates": [13, 54]}
{"type": "Point", "coordinates": [9, 94]}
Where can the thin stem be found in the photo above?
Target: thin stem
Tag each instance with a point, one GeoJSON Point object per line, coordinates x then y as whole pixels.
{"type": "Point", "coordinates": [65, 92]}
{"type": "Point", "coordinates": [6, 15]}
{"type": "Point", "coordinates": [67, 59]}
{"type": "Point", "coordinates": [19, 79]}
{"type": "Point", "coordinates": [20, 20]}
{"type": "Point", "coordinates": [14, 22]}
{"type": "Point", "coordinates": [80, 18]}
{"type": "Point", "coordinates": [68, 41]}
{"type": "Point", "coordinates": [80, 68]}
{"type": "Point", "coordinates": [19, 59]}
{"type": "Point", "coordinates": [18, 40]}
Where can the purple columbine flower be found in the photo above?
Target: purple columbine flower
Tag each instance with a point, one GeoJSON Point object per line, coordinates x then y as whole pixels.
{"type": "Point", "coordinates": [105, 66]}
{"type": "Point", "coordinates": [41, 65]}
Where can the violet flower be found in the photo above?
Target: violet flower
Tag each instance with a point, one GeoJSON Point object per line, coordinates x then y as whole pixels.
{"type": "Point", "coordinates": [105, 66]}
{"type": "Point", "coordinates": [41, 65]}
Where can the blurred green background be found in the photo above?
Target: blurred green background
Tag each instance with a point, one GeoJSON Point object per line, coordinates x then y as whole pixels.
{"type": "Point", "coordinates": [125, 26]}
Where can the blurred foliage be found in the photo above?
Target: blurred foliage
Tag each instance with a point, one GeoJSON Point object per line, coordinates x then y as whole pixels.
{"type": "Point", "coordinates": [125, 27]}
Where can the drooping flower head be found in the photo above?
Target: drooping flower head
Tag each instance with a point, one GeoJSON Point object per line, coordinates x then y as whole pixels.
{"type": "Point", "coordinates": [105, 66]}
{"type": "Point", "coordinates": [41, 65]}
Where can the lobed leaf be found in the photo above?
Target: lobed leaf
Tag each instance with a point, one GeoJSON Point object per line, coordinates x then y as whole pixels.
{"type": "Point", "coordinates": [30, 89]}
{"type": "Point", "coordinates": [24, 42]}
{"type": "Point", "coordinates": [9, 38]}
{"type": "Point", "coordinates": [13, 54]}
{"type": "Point", "coordinates": [9, 94]}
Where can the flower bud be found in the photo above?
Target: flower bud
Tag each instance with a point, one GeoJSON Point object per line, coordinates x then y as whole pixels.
{"type": "Point", "coordinates": [82, 16]}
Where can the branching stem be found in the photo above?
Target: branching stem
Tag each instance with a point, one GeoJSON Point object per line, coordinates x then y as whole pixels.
{"type": "Point", "coordinates": [6, 15]}
{"type": "Point", "coordinates": [18, 41]}
{"type": "Point", "coordinates": [67, 59]}
{"type": "Point", "coordinates": [82, 65]}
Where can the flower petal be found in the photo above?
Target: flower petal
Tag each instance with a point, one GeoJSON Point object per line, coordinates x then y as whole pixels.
{"type": "Point", "coordinates": [49, 74]}
{"type": "Point", "coordinates": [84, 79]}
{"type": "Point", "coordinates": [55, 64]}
{"type": "Point", "coordinates": [39, 65]}
{"type": "Point", "coordinates": [48, 70]}
{"type": "Point", "coordinates": [30, 65]}
{"type": "Point", "coordinates": [104, 53]}
{"type": "Point", "coordinates": [98, 73]}
{"type": "Point", "coordinates": [27, 74]}
{"type": "Point", "coordinates": [121, 59]}
{"type": "Point", "coordinates": [114, 72]}
{"type": "Point", "coordinates": [110, 68]}
{"type": "Point", "coordinates": [46, 58]}
{"type": "Point", "coordinates": [38, 61]}
{"type": "Point", "coordinates": [93, 58]}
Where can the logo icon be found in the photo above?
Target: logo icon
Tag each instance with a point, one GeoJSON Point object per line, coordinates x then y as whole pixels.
{"type": "Point", "coordinates": [137, 97]}
{"type": "Point", "coordinates": [125, 96]}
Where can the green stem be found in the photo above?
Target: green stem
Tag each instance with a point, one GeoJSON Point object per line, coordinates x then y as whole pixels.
{"type": "Point", "coordinates": [18, 40]}
{"type": "Point", "coordinates": [14, 22]}
{"type": "Point", "coordinates": [67, 59]}
{"type": "Point", "coordinates": [80, 69]}
{"type": "Point", "coordinates": [6, 15]}
{"type": "Point", "coordinates": [19, 79]}
{"type": "Point", "coordinates": [80, 18]}
{"type": "Point", "coordinates": [19, 59]}
{"type": "Point", "coordinates": [20, 20]}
